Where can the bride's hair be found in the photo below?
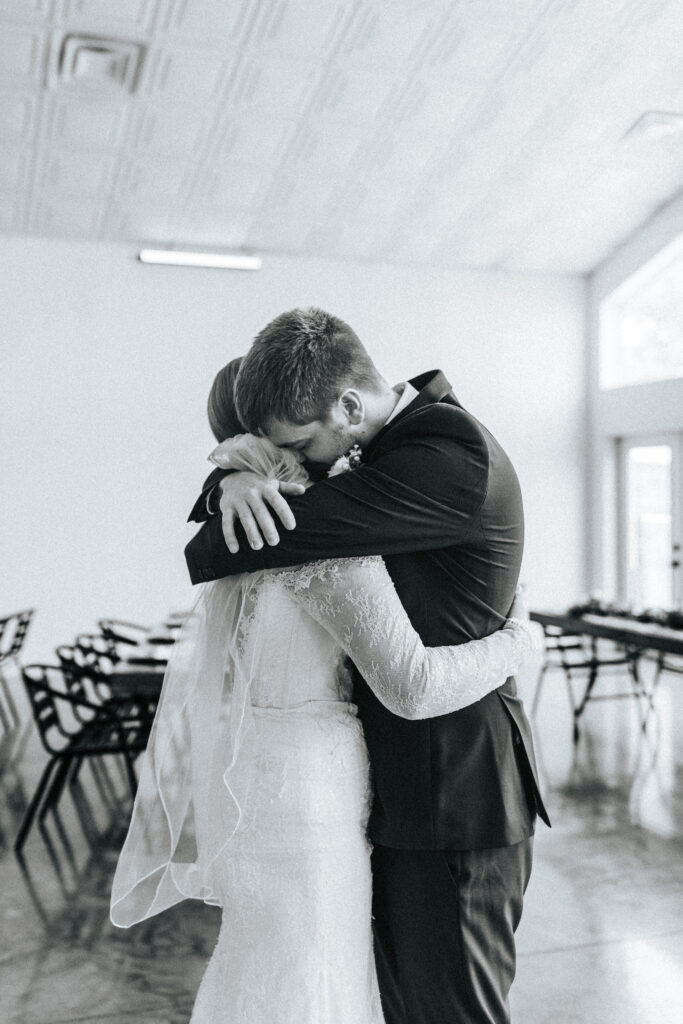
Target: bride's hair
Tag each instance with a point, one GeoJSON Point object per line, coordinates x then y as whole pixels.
{"type": "Point", "coordinates": [221, 408]}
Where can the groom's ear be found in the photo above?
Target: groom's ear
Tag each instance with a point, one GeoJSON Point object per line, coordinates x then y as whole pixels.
{"type": "Point", "coordinates": [353, 406]}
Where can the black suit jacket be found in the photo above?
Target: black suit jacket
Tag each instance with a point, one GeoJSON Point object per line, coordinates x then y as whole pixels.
{"type": "Point", "coordinates": [437, 497]}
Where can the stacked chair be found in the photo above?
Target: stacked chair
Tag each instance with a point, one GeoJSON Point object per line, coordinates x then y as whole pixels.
{"type": "Point", "coordinates": [128, 633]}
{"type": "Point", "coordinates": [88, 663]}
{"type": "Point", "coordinates": [80, 717]}
{"type": "Point", "coordinates": [13, 630]}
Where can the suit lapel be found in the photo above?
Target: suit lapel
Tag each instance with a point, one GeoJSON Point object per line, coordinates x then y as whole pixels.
{"type": "Point", "coordinates": [431, 387]}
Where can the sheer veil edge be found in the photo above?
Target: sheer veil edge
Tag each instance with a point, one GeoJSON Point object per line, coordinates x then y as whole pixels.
{"type": "Point", "coordinates": [190, 800]}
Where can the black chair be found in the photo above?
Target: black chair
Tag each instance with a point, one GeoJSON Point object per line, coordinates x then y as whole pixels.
{"type": "Point", "coordinates": [119, 632]}
{"type": "Point", "coordinates": [72, 728]}
{"type": "Point", "coordinates": [13, 630]}
{"type": "Point", "coordinates": [580, 657]}
{"type": "Point", "coordinates": [87, 665]}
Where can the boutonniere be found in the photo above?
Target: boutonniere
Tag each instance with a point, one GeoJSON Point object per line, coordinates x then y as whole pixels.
{"type": "Point", "coordinates": [351, 460]}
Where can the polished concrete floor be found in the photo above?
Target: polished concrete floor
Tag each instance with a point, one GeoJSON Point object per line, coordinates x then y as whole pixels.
{"type": "Point", "coordinates": [601, 941]}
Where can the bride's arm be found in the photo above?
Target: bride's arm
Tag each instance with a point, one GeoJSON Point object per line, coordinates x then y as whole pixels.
{"type": "Point", "coordinates": [354, 599]}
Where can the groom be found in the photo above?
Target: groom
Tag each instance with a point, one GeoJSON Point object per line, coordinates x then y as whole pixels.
{"type": "Point", "coordinates": [455, 797]}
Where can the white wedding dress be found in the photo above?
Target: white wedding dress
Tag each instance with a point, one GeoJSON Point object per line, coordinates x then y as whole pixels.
{"type": "Point", "coordinates": [258, 754]}
{"type": "Point", "coordinates": [296, 944]}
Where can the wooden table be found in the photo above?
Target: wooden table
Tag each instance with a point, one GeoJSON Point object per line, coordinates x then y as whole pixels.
{"type": "Point", "coordinates": [635, 638]}
{"type": "Point", "coordinates": [629, 632]}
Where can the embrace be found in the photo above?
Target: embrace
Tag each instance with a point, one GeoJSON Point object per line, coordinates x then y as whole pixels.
{"type": "Point", "coordinates": [339, 758]}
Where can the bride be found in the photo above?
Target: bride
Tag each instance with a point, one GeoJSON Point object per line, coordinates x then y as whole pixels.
{"type": "Point", "coordinates": [254, 792]}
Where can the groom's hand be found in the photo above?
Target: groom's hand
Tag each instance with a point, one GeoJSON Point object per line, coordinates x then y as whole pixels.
{"type": "Point", "coordinates": [244, 495]}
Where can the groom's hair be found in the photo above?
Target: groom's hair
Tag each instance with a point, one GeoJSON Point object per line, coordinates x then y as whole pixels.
{"type": "Point", "coordinates": [298, 366]}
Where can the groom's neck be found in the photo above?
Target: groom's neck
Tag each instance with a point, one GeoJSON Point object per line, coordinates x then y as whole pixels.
{"type": "Point", "coordinates": [379, 406]}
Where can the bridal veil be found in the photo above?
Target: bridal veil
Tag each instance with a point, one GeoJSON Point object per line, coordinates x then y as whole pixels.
{"type": "Point", "coordinates": [190, 800]}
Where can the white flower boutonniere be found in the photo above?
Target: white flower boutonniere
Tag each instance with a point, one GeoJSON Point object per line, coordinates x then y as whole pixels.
{"type": "Point", "coordinates": [344, 463]}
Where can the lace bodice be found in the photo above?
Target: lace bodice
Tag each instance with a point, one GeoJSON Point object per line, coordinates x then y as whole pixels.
{"type": "Point", "coordinates": [304, 620]}
{"type": "Point", "coordinates": [295, 659]}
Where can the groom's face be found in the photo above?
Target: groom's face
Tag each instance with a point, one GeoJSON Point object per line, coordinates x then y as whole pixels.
{"type": "Point", "coordinates": [321, 441]}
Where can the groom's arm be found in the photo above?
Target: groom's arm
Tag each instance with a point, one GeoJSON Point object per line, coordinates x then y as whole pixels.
{"type": "Point", "coordinates": [200, 510]}
{"type": "Point", "coordinates": [422, 494]}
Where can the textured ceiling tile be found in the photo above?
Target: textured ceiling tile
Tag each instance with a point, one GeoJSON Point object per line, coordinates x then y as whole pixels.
{"type": "Point", "coordinates": [210, 225]}
{"type": "Point", "coordinates": [25, 9]}
{"type": "Point", "coordinates": [432, 106]}
{"type": "Point", "coordinates": [413, 159]}
{"type": "Point", "coordinates": [382, 36]}
{"type": "Point", "coordinates": [356, 239]}
{"type": "Point", "coordinates": [373, 203]}
{"type": "Point", "coordinates": [215, 22]}
{"type": "Point", "coordinates": [468, 53]}
{"type": "Point", "coordinates": [286, 233]}
{"type": "Point", "coordinates": [328, 147]}
{"type": "Point", "coordinates": [262, 141]}
{"type": "Point", "coordinates": [129, 222]}
{"type": "Point", "coordinates": [17, 117]}
{"type": "Point", "coordinates": [83, 124]}
{"type": "Point", "coordinates": [77, 173]}
{"type": "Point", "coordinates": [133, 14]}
{"type": "Point", "coordinates": [9, 212]}
{"type": "Point", "coordinates": [474, 250]}
{"type": "Point", "coordinates": [295, 197]}
{"type": "Point", "coordinates": [383, 129]}
{"type": "Point", "coordinates": [276, 89]}
{"type": "Point", "coordinates": [347, 98]}
{"type": "Point", "coordinates": [177, 130]}
{"type": "Point", "coordinates": [64, 217]}
{"type": "Point", "coordinates": [569, 238]}
{"type": "Point", "coordinates": [20, 55]}
{"type": "Point", "coordinates": [142, 180]}
{"type": "Point", "coordinates": [13, 167]}
{"type": "Point", "coordinates": [193, 77]}
{"type": "Point", "coordinates": [228, 184]}
{"type": "Point", "coordinates": [296, 30]}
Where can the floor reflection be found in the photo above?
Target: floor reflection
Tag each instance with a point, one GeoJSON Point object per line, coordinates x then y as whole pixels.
{"type": "Point", "coordinates": [601, 939]}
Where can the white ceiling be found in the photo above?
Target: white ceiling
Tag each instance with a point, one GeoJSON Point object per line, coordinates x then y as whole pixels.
{"type": "Point", "coordinates": [484, 133]}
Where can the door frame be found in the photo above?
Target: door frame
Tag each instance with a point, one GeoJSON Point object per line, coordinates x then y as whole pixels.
{"type": "Point", "coordinates": [674, 439]}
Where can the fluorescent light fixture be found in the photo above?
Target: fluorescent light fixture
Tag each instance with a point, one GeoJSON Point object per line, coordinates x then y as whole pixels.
{"type": "Point", "coordinates": [216, 260]}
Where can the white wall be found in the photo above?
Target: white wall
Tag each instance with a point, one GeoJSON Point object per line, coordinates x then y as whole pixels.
{"type": "Point", "coordinates": [105, 370]}
{"type": "Point", "coordinates": [643, 409]}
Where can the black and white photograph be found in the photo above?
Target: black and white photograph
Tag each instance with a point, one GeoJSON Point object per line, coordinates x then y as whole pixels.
{"type": "Point", "coordinates": [341, 600]}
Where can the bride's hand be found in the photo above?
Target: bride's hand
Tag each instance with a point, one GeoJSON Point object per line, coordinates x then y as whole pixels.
{"type": "Point", "coordinates": [244, 496]}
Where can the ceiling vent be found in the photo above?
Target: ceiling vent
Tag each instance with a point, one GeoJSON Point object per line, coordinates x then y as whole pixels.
{"type": "Point", "coordinates": [95, 64]}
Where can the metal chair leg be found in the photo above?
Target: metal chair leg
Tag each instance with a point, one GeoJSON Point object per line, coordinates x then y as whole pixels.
{"type": "Point", "coordinates": [74, 770]}
{"type": "Point", "coordinates": [130, 772]}
{"type": "Point", "coordinates": [34, 804]}
{"type": "Point", "coordinates": [55, 789]}
{"type": "Point", "coordinates": [579, 710]}
{"type": "Point", "coordinates": [640, 691]}
{"type": "Point", "coordinates": [537, 691]}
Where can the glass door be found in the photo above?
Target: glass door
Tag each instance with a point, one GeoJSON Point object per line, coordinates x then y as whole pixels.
{"type": "Point", "coordinates": [650, 521]}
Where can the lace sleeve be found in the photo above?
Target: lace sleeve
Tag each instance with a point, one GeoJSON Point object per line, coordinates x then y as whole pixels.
{"type": "Point", "coordinates": [354, 599]}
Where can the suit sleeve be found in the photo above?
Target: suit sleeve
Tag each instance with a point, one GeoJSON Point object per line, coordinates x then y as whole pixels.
{"type": "Point", "coordinates": [199, 513]}
{"type": "Point", "coordinates": [422, 494]}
